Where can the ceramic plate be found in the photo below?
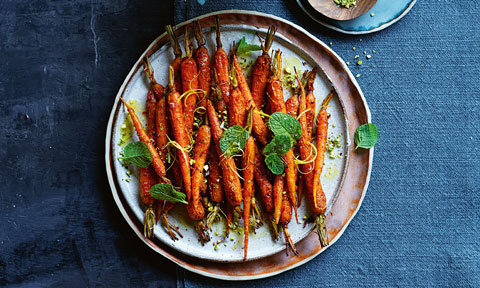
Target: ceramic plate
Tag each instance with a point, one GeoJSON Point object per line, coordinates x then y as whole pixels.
{"type": "Point", "coordinates": [385, 13]}
{"type": "Point", "coordinates": [344, 179]}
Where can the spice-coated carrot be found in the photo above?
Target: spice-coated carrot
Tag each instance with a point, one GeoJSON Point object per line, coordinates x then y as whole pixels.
{"type": "Point", "coordinates": [147, 179]}
{"type": "Point", "coordinates": [248, 167]}
{"type": "Point", "coordinates": [266, 188]}
{"type": "Point", "coordinates": [195, 208]}
{"type": "Point", "coordinates": [304, 145]}
{"type": "Point", "coordinates": [180, 133]}
{"type": "Point", "coordinates": [259, 129]}
{"type": "Point", "coordinates": [203, 65]}
{"type": "Point", "coordinates": [177, 51]}
{"type": "Point", "coordinates": [155, 88]}
{"type": "Point", "coordinates": [221, 66]}
{"type": "Point", "coordinates": [292, 109]}
{"type": "Point", "coordinates": [157, 163]}
{"type": "Point", "coordinates": [237, 107]}
{"type": "Point", "coordinates": [231, 181]}
{"type": "Point", "coordinates": [215, 183]}
{"type": "Point", "coordinates": [285, 218]}
{"type": "Point", "coordinates": [277, 197]}
{"type": "Point", "coordinates": [310, 100]}
{"type": "Point", "coordinates": [322, 127]}
{"type": "Point", "coordinates": [261, 69]}
{"type": "Point", "coordinates": [161, 128]}
{"type": "Point", "coordinates": [277, 104]}
{"type": "Point", "coordinates": [189, 83]}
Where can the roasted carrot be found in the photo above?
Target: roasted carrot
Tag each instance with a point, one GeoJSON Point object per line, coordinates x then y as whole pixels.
{"type": "Point", "coordinates": [237, 107]}
{"type": "Point", "coordinates": [307, 156]}
{"type": "Point", "coordinates": [203, 65]}
{"type": "Point", "coordinates": [179, 133]}
{"type": "Point", "coordinates": [189, 83]}
{"type": "Point", "coordinates": [266, 188]}
{"type": "Point", "coordinates": [161, 128]}
{"type": "Point", "coordinates": [277, 104]}
{"type": "Point", "coordinates": [177, 51]}
{"type": "Point", "coordinates": [259, 129]}
{"type": "Point", "coordinates": [231, 181]}
{"type": "Point", "coordinates": [277, 197]}
{"type": "Point", "coordinates": [285, 218]}
{"type": "Point", "coordinates": [221, 66]}
{"type": "Point", "coordinates": [215, 184]}
{"type": "Point", "coordinates": [292, 110]}
{"type": "Point", "coordinates": [322, 127]}
{"type": "Point", "coordinates": [147, 179]}
{"type": "Point", "coordinates": [310, 100]}
{"type": "Point", "coordinates": [200, 151]}
{"type": "Point", "coordinates": [248, 167]}
{"type": "Point", "coordinates": [156, 88]}
{"type": "Point", "coordinates": [261, 69]}
{"type": "Point", "coordinates": [157, 163]}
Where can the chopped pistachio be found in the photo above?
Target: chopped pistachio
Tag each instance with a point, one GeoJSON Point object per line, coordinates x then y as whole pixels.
{"type": "Point", "coordinates": [216, 247]}
{"type": "Point", "coordinates": [358, 75]}
{"type": "Point", "coordinates": [369, 56]}
{"type": "Point", "coordinates": [348, 63]}
{"type": "Point", "coordinates": [372, 14]}
{"type": "Point", "coordinates": [359, 62]}
{"type": "Point", "coordinates": [331, 43]}
{"type": "Point", "coordinates": [354, 48]}
{"type": "Point", "coordinates": [128, 179]}
{"type": "Point", "coordinates": [356, 56]}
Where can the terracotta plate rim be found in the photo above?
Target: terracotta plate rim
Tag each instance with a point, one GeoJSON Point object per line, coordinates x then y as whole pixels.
{"type": "Point", "coordinates": [116, 194]}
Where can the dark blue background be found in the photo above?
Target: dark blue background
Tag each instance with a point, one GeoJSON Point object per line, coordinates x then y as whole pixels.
{"type": "Point", "coordinates": [62, 62]}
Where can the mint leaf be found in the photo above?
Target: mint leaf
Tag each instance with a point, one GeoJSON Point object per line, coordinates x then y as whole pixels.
{"type": "Point", "coordinates": [138, 154]}
{"type": "Point", "coordinates": [233, 140]}
{"type": "Point", "coordinates": [164, 191]}
{"type": "Point", "coordinates": [284, 124]}
{"type": "Point", "coordinates": [279, 145]}
{"type": "Point", "coordinates": [243, 47]}
{"type": "Point", "coordinates": [366, 136]}
{"type": "Point", "coordinates": [275, 164]}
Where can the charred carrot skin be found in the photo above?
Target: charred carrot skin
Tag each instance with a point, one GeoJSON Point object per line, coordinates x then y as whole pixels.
{"type": "Point", "coordinates": [215, 183]}
{"type": "Point", "coordinates": [259, 129]}
{"type": "Point", "coordinates": [157, 163]}
{"type": "Point", "coordinates": [261, 70]}
{"type": "Point", "coordinates": [266, 188]}
{"type": "Point", "coordinates": [195, 208]}
{"type": "Point", "coordinates": [248, 168]}
{"type": "Point", "coordinates": [189, 84]}
{"type": "Point", "coordinates": [180, 134]}
{"type": "Point", "coordinates": [277, 104]}
{"type": "Point", "coordinates": [231, 181]}
{"type": "Point", "coordinates": [177, 51]}
{"type": "Point", "coordinates": [203, 65]}
{"type": "Point", "coordinates": [221, 66]}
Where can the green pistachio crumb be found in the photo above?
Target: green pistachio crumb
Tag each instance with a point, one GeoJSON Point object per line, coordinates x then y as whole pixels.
{"type": "Point", "coordinates": [354, 48]}
{"type": "Point", "coordinates": [372, 14]}
{"type": "Point", "coordinates": [358, 75]}
{"type": "Point", "coordinates": [356, 56]}
{"type": "Point", "coordinates": [359, 62]}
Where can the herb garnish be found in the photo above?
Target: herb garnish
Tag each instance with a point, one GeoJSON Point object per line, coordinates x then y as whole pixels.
{"type": "Point", "coordinates": [233, 140]}
{"type": "Point", "coordinates": [287, 130]}
{"type": "Point", "coordinates": [138, 154]}
{"type": "Point", "coordinates": [244, 47]}
{"type": "Point", "coordinates": [164, 191]}
{"type": "Point", "coordinates": [284, 124]}
{"type": "Point", "coordinates": [366, 136]}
